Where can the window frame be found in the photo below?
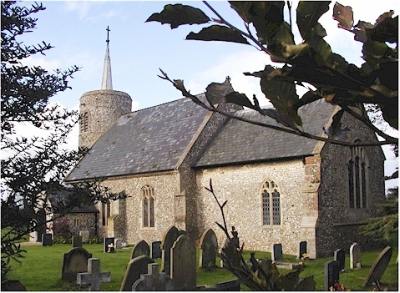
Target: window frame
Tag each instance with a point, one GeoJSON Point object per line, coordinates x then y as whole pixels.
{"type": "Point", "coordinates": [358, 193]}
{"type": "Point", "coordinates": [269, 188]}
{"type": "Point", "coordinates": [148, 220]}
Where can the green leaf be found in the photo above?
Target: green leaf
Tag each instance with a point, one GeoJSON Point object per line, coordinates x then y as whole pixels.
{"type": "Point", "coordinates": [343, 15]}
{"type": "Point", "coordinates": [239, 99]}
{"type": "Point", "coordinates": [216, 92]}
{"type": "Point", "coordinates": [387, 30]}
{"type": "Point", "coordinates": [218, 33]}
{"type": "Point", "coordinates": [178, 14]}
{"type": "Point", "coordinates": [307, 15]}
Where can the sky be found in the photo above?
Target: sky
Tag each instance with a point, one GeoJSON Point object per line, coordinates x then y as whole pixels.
{"type": "Point", "coordinates": [76, 29]}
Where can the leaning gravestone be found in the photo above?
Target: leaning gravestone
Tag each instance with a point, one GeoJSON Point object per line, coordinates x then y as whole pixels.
{"type": "Point", "coordinates": [94, 277]}
{"type": "Point", "coordinates": [76, 241]}
{"type": "Point", "coordinates": [183, 264]}
{"type": "Point", "coordinates": [331, 275]}
{"type": "Point", "coordinates": [277, 254]}
{"type": "Point", "coordinates": [167, 243]}
{"type": "Point", "coordinates": [355, 256]}
{"type": "Point", "coordinates": [154, 280]}
{"type": "Point", "coordinates": [155, 250]}
{"type": "Point", "coordinates": [209, 249]}
{"type": "Point", "coordinates": [47, 239]}
{"type": "Point", "coordinates": [75, 261]}
{"type": "Point", "coordinates": [302, 249]}
{"type": "Point", "coordinates": [340, 257]}
{"type": "Point", "coordinates": [379, 267]}
{"type": "Point", "coordinates": [85, 235]}
{"type": "Point", "coordinates": [142, 248]}
{"type": "Point", "coordinates": [136, 267]}
{"type": "Point", "coordinates": [108, 242]}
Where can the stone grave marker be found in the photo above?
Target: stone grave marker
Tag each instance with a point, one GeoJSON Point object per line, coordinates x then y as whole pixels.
{"type": "Point", "coordinates": [340, 257]}
{"type": "Point", "coordinates": [108, 244]}
{"type": "Point", "coordinates": [169, 239]}
{"type": "Point", "coordinates": [75, 261]}
{"type": "Point", "coordinates": [47, 239]}
{"type": "Point", "coordinates": [136, 267]}
{"type": "Point", "coordinates": [118, 243]}
{"type": "Point", "coordinates": [94, 276]}
{"type": "Point", "coordinates": [154, 280]}
{"type": "Point", "coordinates": [355, 256]}
{"type": "Point", "coordinates": [85, 235]}
{"type": "Point", "coordinates": [378, 268]}
{"type": "Point", "coordinates": [155, 250]}
{"type": "Point", "coordinates": [209, 249]}
{"type": "Point", "coordinates": [142, 248]}
{"type": "Point", "coordinates": [331, 274]}
{"type": "Point", "coordinates": [302, 249]}
{"type": "Point", "coordinates": [277, 253]}
{"type": "Point", "coordinates": [76, 241]}
{"type": "Point", "coordinates": [183, 264]}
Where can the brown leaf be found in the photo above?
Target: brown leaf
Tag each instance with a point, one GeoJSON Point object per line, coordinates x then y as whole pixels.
{"type": "Point", "coordinates": [343, 15]}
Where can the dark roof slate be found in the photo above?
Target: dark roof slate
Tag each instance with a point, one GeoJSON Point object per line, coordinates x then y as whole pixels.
{"type": "Point", "coordinates": [239, 142]}
{"type": "Point", "coordinates": [148, 140]}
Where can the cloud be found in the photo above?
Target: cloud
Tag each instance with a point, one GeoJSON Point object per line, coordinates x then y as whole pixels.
{"type": "Point", "coordinates": [42, 61]}
{"type": "Point", "coordinates": [82, 8]}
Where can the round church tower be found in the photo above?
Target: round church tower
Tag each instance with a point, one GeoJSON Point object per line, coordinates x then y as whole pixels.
{"type": "Point", "coordinates": [99, 109]}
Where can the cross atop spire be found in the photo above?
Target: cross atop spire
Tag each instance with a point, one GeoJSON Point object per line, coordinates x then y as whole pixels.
{"type": "Point", "coordinates": [106, 83]}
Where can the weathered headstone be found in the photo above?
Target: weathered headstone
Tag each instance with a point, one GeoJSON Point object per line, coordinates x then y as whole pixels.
{"type": "Point", "coordinates": [340, 257]}
{"type": "Point", "coordinates": [183, 264]}
{"type": "Point", "coordinates": [155, 250]}
{"type": "Point", "coordinates": [108, 243]}
{"type": "Point", "coordinates": [47, 239]}
{"type": "Point", "coordinates": [94, 276]}
{"type": "Point", "coordinates": [209, 249]}
{"type": "Point", "coordinates": [378, 268]}
{"type": "Point", "coordinates": [118, 243]}
{"type": "Point", "coordinates": [276, 254]}
{"type": "Point", "coordinates": [75, 261]}
{"type": "Point", "coordinates": [154, 280]}
{"type": "Point", "coordinates": [169, 240]}
{"type": "Point", "coordinates": [331, 275]}
{"type": "Point", "coordinates": [136, 267]}
{"type": "Point", "coordinates": [302, 249]}
{"type": "Point", "coordinates": [85, 235]}
{"type": "Point", "coordinates": [76, 241]}
{"type": "Point", "coordinates": [142, 248]}
{"type": "Point", "coordinates": [355, 256]}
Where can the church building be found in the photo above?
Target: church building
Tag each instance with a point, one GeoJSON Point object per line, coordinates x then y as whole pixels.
{"type": "Point", "coordinates": [280, 188]}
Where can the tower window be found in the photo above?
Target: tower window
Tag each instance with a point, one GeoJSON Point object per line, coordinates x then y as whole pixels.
{"type": "Point", "coordinates": [85, 122]}
{"type": "Point", "coordinates": [148, 206]}
{"type": "Point", "coordinates": [271, 198]}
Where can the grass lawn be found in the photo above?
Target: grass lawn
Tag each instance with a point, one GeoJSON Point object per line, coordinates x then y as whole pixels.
{"type": "Point", "coordinates": [41, 269]}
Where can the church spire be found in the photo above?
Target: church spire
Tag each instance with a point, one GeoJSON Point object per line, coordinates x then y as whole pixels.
{"type": "Point", "coordinates": [106, 83]}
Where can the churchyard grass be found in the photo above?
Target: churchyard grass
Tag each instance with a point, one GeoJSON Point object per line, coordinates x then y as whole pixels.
{"type": "Point", "coordinates": [40, 270]}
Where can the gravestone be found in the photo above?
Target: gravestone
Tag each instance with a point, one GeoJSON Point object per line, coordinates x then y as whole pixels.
{"type": "Point", "coordinates": [108, 242]}
{"type": "Point", "coordinates": [168, 241]}
{"type": "Point", "coordinates": [183, 264]}
{"type": "Point", "coordinates": [302, 249]}
{"type": "Point", "coordinates": [94, 276]}
{"type": "Point", "coordinates": [47, 239]}
{"type": "Point", "coordinates": [85, 235]}
{"type": "Point", "coordinates": [75, 261]}
{"type": "Point", "coordinates": [276, 254]}
{"type": "Point", "coordinates": [136, 267]}
{"type": "Point", "coordinates": [154, 280]}
{"type": "Point", "coordinates": [379, 267]}
{"type": "Point", "coordinates": [340, 257]}
{"type": "Point", "coordinates": [331, 274]}
{"type": "Point", "coordinates": [209, 249]}
{"type": "Point", "coordinates": [155, 250]}
{"type": "Point", "coordinates": [355, 256]}
{"type": "Point", "coordinates": [76, 241]}
{"type": "Point", "coordinates": [118, 243]}
{"type": "Point", "coordinates": [142, 248]}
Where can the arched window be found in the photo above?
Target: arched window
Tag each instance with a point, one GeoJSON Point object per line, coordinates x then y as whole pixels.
{"type": "Point", "coordinates": [85, 122]}
{"type": "Point", "coordinates": [271, 198]}
{"type": "Point", "coordinates": [148, 206]}
{"type": "Point", "coordinates": [357, 173]}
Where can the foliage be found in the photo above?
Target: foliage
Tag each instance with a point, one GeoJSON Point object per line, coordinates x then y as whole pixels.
{"type": "Point", "coordinates": [310, 64]}
{"type": "Point", "coordinates": [33, 167]}
{"type": "Point", "coordinates": [263, 275]}
{"type": "Point", "coordinates": [61, 230]}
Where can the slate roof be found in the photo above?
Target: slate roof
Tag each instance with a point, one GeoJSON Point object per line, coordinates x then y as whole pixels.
{"type": "Point", "coordinates": [240, 142]}
{"type": "Point", "coordinates": [148, 140]}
